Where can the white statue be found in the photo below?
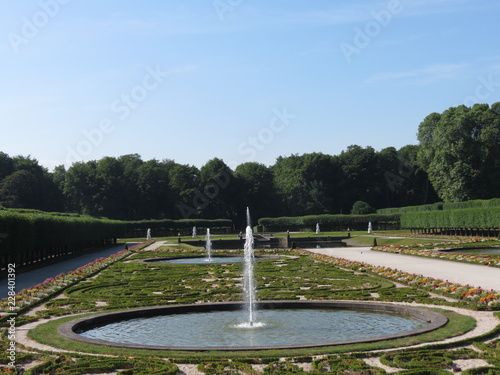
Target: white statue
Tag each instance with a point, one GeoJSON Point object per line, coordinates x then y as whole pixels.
{"type": "Point", "coordinates": [369, 227]}
{"type": "Point", "coordinates": [148, 235]}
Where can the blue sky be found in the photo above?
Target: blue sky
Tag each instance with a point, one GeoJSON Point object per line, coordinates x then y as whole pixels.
{"type": "Point", "coordinates": [242, 80]}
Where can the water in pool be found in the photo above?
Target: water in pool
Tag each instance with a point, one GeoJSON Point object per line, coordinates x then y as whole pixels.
{"type": "Point", "coordinates": [271, 328]}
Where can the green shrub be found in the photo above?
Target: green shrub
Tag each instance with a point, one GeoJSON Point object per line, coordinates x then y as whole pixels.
{"type": "Point", "coordinates": [482, 371]}
{"type": "Point", "coordinates": [479, 217]}
{"type": "Point", "coordinates": [334, 364]}
{"type": "Point", "coordinates": [424, 371]}
{"type": "Point", "coordinates": [65, 365]}
{"type": "Point", "coordinates": [362, 208]}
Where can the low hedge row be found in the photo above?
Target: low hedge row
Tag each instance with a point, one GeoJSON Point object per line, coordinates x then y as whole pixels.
{"type": "Point", "coordinates": [335, 364]}
{"type": "Point", "coordinates": [167, 227]}
{"type": "Point", "coordinates": [330, 222]}
{"type": "Point", "coordinates": [420, 359]}
{"type": "Point", "coordinates": [94, 365]}
{"type": "Point", "coordinates": [479, 217]}
{"type": "Point", "coordinates": [482, 371]}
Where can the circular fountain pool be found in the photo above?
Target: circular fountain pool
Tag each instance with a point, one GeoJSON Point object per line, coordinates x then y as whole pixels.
{"type": "Point", "coordinates": [278, 324]}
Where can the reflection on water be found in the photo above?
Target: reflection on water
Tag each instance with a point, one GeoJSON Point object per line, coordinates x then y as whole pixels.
{"type": "Point", "coordinates": [273, 328]}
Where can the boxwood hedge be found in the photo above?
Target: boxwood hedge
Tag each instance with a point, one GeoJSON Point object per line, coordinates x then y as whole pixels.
{"type": "Point", "coordinates": [330, 222]}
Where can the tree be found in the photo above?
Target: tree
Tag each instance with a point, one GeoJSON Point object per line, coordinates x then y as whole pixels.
{"type": "Point", "coordinates": [256, 190]}
{"type": "Point", "coordinates": [460, 151]}
{"type": "Point", "coordinates": [20, 189]}
{"type": "Point", "coordinates": [415, 187]}
{"type": "Point", "coordinates": [291, 184]}
{"type": "Point", "coordinates": [154, 191]}
{"type": "Point", "coordinates": [183, 182]}
{"type": "Point", "coordinates": [218, 187]}
{"type": "Point", "coordinates": [82, 188]}
{"type": "Point", "coordinates": [362, 208]}
{"type": "Point", "coordinates": [111, 197]}
{"type": "Point", "coordinates": [360, 169]}
{"type": "Point", "coordinates": [6, 165]}
{"type": "Point", "coordinates": [43, 192]}
{"type": "Point", "coordinates": [131, 164]}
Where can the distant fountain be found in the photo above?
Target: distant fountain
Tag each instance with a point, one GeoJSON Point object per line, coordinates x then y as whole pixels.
{"type": "Point", "coordinates": [317, 228]}
{"type": "Point", "coordinates": [208, 246]}
{"type": "Point", "coordinates": [194, 232]}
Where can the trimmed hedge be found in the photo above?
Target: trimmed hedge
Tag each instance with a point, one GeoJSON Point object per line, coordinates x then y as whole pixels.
{"type": "Point", "coordinates": [400, 210]}
{"type": "Point", "coordinates": [346, 364]}
{"type": "Point", "coordinates": [95, 365]}
{"type": "Point", "coordinates": [329, 222]}
{"type": "Point", "coordinates": [29, 237]}
{"type": "Point", "coordinates": [472, 204]}
{"type": "Point", "coordinates": [425, 371]}
{"type": "Point", "coordinates": [168, 227]}
{"type": "Point", "coordinates": [482, 371]}
{"type": "Point", "coordinates": [477, 203]}
{"type": "Point", "coordinates": [482, 218]}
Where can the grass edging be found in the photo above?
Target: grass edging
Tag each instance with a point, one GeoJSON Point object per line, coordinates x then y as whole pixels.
{"type": "Point", "coordinates": [46, 333]}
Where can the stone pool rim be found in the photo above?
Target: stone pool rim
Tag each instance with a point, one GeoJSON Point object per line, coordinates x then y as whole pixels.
{"type": "Point", "coordinates": [71, 329]}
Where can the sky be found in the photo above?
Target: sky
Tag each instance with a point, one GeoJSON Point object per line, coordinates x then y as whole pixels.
{"type": "Point", "coordinates": [240, 80]}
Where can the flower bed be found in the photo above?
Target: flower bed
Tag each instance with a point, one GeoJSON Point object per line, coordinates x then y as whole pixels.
{"type": "Point", "coordinates": [429, 250]}
{"type": "Point", "coordinates": [472, 297]}
{"type": "Point", "coordinates": [29, 297]}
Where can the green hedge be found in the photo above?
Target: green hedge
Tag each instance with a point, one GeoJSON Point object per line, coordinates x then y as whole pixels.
{"type": "Point", "coordinates": [329, 222]}
{"type": "Point", "coordinates": [482, 218]}
{"type": "Point", "coordinates": [478, 203]}
{"type": "Point", "coordinates": [167, 227]}
{"type": "Point", "coordinates": [482, 371]}
{"type": "Point", "coordinates": [472, 204]}
{"type": "Point", "coordinates": [28, 237]}
{"type": "Point", "coordinates": [66, 365]}
{"type": "Point", "coordinates": [400, 210]}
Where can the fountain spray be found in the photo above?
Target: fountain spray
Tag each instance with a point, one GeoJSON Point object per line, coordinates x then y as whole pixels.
{"type": "Point", "coordinates": [248, 279]}
{"type": "Point", "coordinates": [208, 246]}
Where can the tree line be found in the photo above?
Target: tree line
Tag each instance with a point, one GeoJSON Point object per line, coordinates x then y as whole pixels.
{"type": "Point", "coordinates": [130, 188]}
{"type": "Point", "coordinates": [457, 158]}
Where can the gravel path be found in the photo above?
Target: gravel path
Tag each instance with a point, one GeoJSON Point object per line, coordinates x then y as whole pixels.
{"type": "Point", "coordinates": [455, 272]}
